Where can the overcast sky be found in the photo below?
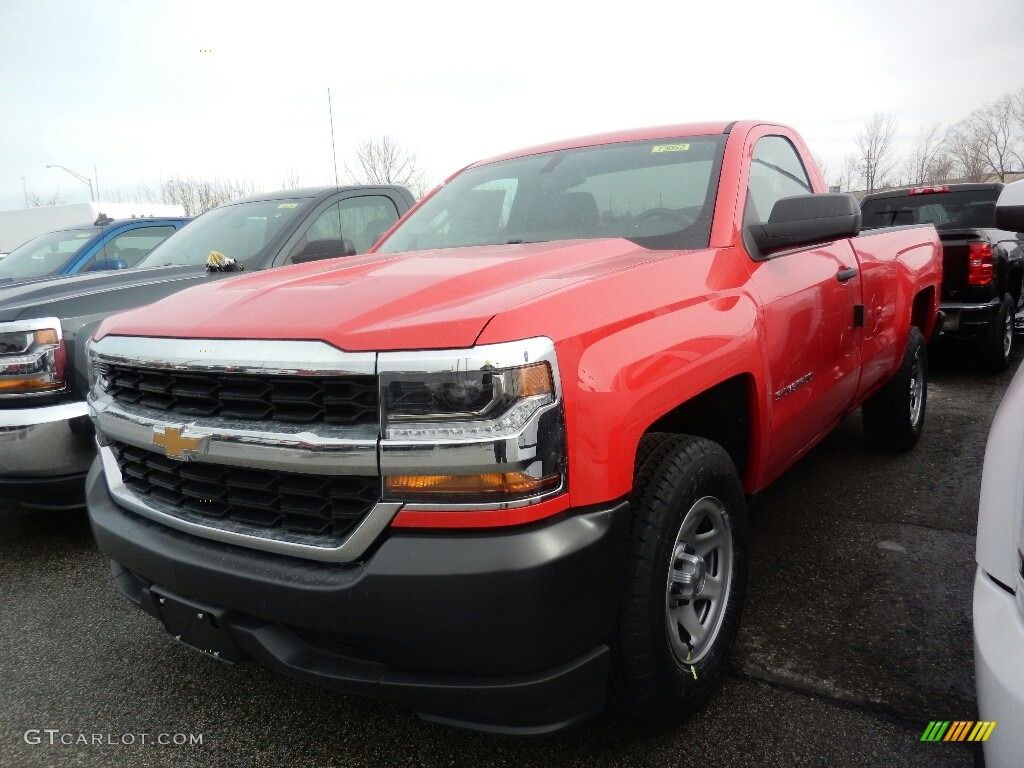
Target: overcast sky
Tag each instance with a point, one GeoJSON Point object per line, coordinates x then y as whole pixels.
{"type": "Point", "coordinates": [156, 89]}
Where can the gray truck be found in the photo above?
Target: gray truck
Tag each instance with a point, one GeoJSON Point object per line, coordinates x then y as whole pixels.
{"type": "Point", "coordinates": [46, 438]}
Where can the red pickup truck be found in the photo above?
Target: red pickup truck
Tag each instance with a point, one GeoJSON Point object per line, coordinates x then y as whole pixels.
{"type": "Point", "coordinates": [499, 467]}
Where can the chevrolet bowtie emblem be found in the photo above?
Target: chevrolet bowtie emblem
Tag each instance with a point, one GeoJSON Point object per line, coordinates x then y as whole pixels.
{"type": "Point", "coordinates": [175, 446]}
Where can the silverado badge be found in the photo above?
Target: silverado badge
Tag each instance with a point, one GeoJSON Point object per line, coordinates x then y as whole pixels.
{"type": "Point", "coordinates": [176, 446]}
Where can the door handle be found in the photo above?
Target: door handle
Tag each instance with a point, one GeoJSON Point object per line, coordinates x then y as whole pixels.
{"type": "Point", "coordinates": [845, 275]}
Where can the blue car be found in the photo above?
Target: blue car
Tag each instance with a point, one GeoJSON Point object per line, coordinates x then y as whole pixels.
{"type": "Point", "coordinates": [107, 244]}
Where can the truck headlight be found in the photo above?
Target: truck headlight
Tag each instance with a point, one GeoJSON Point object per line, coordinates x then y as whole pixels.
{"type": "Point", "coordinates": [96, 371]}
{"type": "Point", "coordinates": [455, 403]}
{"type": "Point", "coordinates": [472, 426]}
{"type": "Point", "coordinates": [32, 357]}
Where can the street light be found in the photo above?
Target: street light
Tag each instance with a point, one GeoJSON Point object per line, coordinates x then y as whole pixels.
{"type": "Point", "coordinates": [80, 177]}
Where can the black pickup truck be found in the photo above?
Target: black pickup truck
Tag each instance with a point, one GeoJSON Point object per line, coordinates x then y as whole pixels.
{"type": "Point", "coordinates": [982, 266]}
{"type": "Point", "coordinates": [46, 438]}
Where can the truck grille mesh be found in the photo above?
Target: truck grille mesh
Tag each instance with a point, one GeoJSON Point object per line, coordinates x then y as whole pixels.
{"type": "Point", "coordinates": [350, 399]}
{"type": "Point", "coordinates": [326, 505]}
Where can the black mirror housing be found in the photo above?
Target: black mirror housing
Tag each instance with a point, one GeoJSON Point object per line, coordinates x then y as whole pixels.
{"type": "Point", "coordinates": [805, 220]}
{"type": "Point", "coordinates": [1010, 207]}
{"type": "Point", "coordinates": [327, 248]}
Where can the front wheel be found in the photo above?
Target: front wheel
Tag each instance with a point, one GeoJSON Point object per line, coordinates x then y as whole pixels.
{"type": "Point", "coordinates": [894, 416]}
{"type": "Point", "coordinates": [685, 580]}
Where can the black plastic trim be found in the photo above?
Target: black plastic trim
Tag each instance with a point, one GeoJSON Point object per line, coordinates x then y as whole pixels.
{"type": "Point", "coordinates": [502, 630]}
{"type": "Point", "coordinates": [54, 492]}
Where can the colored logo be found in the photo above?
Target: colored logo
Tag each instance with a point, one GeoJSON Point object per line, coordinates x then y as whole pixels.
{"type": "Point", "coordinates": [958, 730]}
{"type": "Point", "coordinates": [175, 445]}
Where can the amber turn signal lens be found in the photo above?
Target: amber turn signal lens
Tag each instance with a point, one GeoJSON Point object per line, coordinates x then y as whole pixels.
{"type": "Point", "coordinates": [29, 385]}
{"type": "Point", "coordinates": [533, 380]}
{"type": "Point", "coordinates": [47, 338]}
{"type": "Point", "coordinates": [497, 484]}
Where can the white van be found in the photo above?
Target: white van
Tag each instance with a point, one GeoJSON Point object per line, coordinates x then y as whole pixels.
{"type": "Point", "coordinates": [22, 224]}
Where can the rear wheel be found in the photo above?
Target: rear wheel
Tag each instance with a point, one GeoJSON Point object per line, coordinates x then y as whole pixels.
{"type": "Point", "coordinates": [997, 342]}
{"type": "Point", "coordinates": [894, 416]}
{"type": "Point", "coordinates": [685, 580]}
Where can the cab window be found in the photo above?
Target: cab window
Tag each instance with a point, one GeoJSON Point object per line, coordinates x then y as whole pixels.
{"type": "Point", "coordinates": [775, 172]}
{"type": "Point", "coordinates": [361, 220]}
{"type": "Point", "coordinates": [131, 246]}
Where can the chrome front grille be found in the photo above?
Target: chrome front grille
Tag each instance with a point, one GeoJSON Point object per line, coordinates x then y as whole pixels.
{"type": "Point", "coordinates": [312, 505]}
{"type": "Point", "coordinates": [342, 400]}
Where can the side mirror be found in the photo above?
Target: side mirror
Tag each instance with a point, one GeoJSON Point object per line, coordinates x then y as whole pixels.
{"type": "Point", "coordinates": [101, 265]}
{"type": "Point", "coordinates": [806, 220]}
{"type": "Point", "coordinates": [1010, 208]}
{"type": "Point", "coordinates": [328, 248]}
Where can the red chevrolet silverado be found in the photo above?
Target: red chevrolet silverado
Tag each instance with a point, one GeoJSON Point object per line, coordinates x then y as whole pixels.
{"type": "Point", "coordinates": [497, 470]}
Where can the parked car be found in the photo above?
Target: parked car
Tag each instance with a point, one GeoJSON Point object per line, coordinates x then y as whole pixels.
{"type": "Point", "coordinates": [20, 225]}
{"type": "Point", "coordinates": [46, 440]}
{"type": "Point", "coordinates": [504, 457]}
{"type": "Point", "coordinates": [106, 244]}
{"type": "Point", "coordinates": [982, 263]}
{"type": "Point", "coordinates": [999, 580]}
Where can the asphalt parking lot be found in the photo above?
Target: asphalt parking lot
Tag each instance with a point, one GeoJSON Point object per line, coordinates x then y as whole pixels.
{"type": "Point", "coordinates": [857, 632]}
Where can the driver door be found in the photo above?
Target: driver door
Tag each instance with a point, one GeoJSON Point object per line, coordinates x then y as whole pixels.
{"type": "Point", "coordinates": [808, 297]}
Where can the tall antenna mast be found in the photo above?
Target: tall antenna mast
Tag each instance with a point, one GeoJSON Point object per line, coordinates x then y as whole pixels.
{"type": "Point", "coordinates": [334, 151]}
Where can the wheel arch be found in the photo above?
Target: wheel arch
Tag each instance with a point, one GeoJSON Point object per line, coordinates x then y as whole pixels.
{"type": "Point", "coordinates": [1015, 283]}
{"type": "Point", "coordinates": [922, 312]}
{"type": "Point", "coordinates": [724, 414]}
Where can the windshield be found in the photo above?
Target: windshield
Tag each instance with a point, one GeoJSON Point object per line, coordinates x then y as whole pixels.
{"type": "Point", "coordinates": [45, 255]}
{"type": "Point", "coordinates": [240, 232]}
{"type": "Point", "coordinates": [658, 194]}
{"type": "Point", "coordinates": [968, 209]}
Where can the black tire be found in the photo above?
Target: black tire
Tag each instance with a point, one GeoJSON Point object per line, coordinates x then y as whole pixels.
{"type": "Point", "coordinates": [894, 416]}
{"type": "Point", "coordinates": [679, 480]}
{"type": "Point", "coordinates": [997, 342]}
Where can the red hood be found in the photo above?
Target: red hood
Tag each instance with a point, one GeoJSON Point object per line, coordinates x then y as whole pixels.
{"type": "Point", "coordinates": [426, 299]}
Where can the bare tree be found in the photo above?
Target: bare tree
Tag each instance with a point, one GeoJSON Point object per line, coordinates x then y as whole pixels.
{"type": "Point", "coordinates": [197, 196]}
{"type": "Point", "coordinates": [994, 129]}
{"type": "Point", "coordinates": [1017, 106]}
{"type": "Point", "coordinates": [822, 168]}
{"type": "Point", "coordinates": [877, 157]}
{"type": "Point", "coordinates": [928, 162]}
{"type": "Point", "coordinates": [32, 200]}
{"type": "Point", "coordinates": [385, 161]}
{"type": "Point", "coordinates": [943, 168]}
{"type": "Point", "coordinates": [291, 180]}
{"type": "Point", "coordinates": [846, 179]}
{"type": "Point", "coordinates": [967, 153]}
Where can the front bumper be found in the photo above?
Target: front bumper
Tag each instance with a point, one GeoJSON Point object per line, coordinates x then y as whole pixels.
{"type": "Point", "coordinates": [969, 319]}
{"type": "Point", "coordinates": [502, 631]}
{"type": "Point", "coordinates": [999, 669]}
{"type": "Point", "coordinates": [45, 454]}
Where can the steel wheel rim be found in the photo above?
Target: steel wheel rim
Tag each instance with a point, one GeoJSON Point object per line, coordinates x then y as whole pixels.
{"type": "Point", "coordinates": [916, 390]}
{"type": "Point", "coordinates": [702, 552]}
{"type": "Point", "coordinates": [1008, 335]}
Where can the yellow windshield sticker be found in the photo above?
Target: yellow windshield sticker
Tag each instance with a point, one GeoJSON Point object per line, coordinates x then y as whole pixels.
{"type": "Point", "coordinates": [287, 205]}
{"type": "Point", "coordinates": [670, 148]}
